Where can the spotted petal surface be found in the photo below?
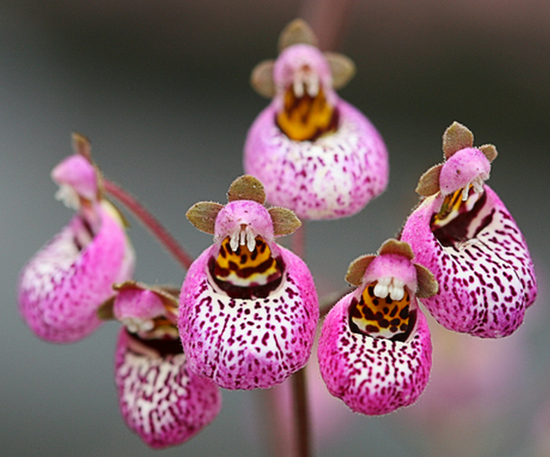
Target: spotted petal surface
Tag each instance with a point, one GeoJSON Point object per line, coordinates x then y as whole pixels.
{"type": "Point", "coordinates": [333, 176]}
{"type": "Point", "coordinates": [247, 343]}
{"type": "Point", "coordinates": [371, 375]}
{"type": "Point", "coordinates": [159, 398]}
{"type": "Point", "coordinates": [481, 262]}
{"type": "Point", "coordinates": [61, 288]}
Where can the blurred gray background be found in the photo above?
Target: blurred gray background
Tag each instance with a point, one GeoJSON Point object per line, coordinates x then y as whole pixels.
{"type": "Point", "coordinates": [161, 88]}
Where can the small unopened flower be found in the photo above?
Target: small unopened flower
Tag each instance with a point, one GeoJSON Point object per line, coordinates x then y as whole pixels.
{"type": "Point", "coordinates": [375, 351]}
{"type": "Point", "coordinates": [465, 235]}
{"type": "Point", "coordinates": [62, 286]}
{"type": "Point", "coordinates": [159, 398]}
{"type": "Point", "coordinates": [315, 153]}
{"type": "Point", "coordinates": [248, 307]}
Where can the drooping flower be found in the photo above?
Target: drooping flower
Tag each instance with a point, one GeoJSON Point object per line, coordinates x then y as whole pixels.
{"type": "Point", "coordinates": [464, 234]}
{"type": "Point", "coordinates": [62, 286]}
{"type": "Point", "coordinates": [248, 307]}
{"type": "Point", "coordinates": [315, 153]}
{"type": "Point", "coordinates": [159, 397]}
{"type": "Point", "coordinates": [375, 351]}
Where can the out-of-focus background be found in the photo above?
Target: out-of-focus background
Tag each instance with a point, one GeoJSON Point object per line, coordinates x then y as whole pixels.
{"type": "Point", "coordinates": [161, 88]}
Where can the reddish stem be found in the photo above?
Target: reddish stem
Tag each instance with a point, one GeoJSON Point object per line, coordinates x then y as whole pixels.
{"type": "Point", "coordinates": [327, 18]}
{"type": "Point", "coordinates": [301, 414]}
{"type": "Point", "coordinates": [299, 384]}
{"type": "Point", "coordinates": [149, 221]}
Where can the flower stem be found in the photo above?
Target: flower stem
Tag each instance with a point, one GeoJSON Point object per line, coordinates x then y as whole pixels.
{"type": "Point", "coordinates": [328, 19]}
{"type": "Point", "coordinates": [299, 385]}
{"type": "Point", "coordinates": [150, 222]}
{"type": "Point", "coordinates": [301, 414]}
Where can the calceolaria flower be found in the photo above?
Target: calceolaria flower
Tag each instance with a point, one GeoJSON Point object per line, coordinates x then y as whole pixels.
{"type": "Point", "coordinates": [375, 351]}
{"type": "Point", "coordinates": [464, 234]}
{"type": "Point", "coordinates": [62, 286]}
{"type": "Point", "coordinates": [315, 153]}
{"type": "Point", "coordinates": [248, 307]}
{"type": "Point", "coordinates": [159, 397]}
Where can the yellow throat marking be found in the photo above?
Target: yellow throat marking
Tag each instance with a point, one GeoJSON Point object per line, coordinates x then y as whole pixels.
{"type": "Point", "coordinates": [306, 118]}
{"type": "Point", "coordinates": [243, 268]}
{"type": "Point", "coordinates": [380, 317]}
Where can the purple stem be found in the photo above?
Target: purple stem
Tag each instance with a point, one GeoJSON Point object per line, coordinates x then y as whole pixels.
{"type": "Point", "coordinates": [327, 18]}
{"type": "Point", "coordinates": [149, 221]}
{"type": "Point", "coordinates": [299, 383]}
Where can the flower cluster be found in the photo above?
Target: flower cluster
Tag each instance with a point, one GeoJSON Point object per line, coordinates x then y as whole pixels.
{"type": "Point", "coordinates": [247, 313]}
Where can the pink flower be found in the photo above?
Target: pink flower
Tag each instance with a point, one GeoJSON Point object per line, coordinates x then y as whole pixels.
{"type": "Point", "coordinates": [375, 351]}
{"type": "Point", "coordinates": [465, 235]}
{"type": "Point", "coordinates": [248, 307]}
{"type": "Point", "coordinates": [62, 286]}
{"type": "Point", "coordinates": [159, 398]}
{"type": "Point", "coordinates": [315, 153]}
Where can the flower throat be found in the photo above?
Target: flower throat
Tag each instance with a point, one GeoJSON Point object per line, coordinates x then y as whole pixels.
{"type": "Point", "coordinates": [306, 118]}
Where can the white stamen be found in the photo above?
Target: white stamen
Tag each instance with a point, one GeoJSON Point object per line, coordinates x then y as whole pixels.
{"type": "Point", "coordinates": [250, 239]}
{"type": "Point", "coordinates": [242, 237]}
{"type": "Point", "coordinates": [382, 287]}
{"type": "Point", "coordinates": [477, 183]}
{"type": "Point", "coordinates": [298, 87]}
{"type": "Point", "coordinates": [135, 324]}
{"type": "Point", "coordinates": [234, 242]}
{"type": "Point", "coordinates": [465, 192]}
{"type": "Point", "coordinates": [397, 291]}
{"type": "Point", "coordinates": [68, 196]}
{"type": "Point", "coordinates": [393, 287]}
{"type": "Point", "coordinates": [313, 85]}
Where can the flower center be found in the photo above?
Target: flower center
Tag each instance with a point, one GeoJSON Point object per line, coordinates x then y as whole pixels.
{"type": "Point", "coordinates": [459, 202]}
{"type": "Point", "coordinates": [245, 273]}
{"type": "Point", "coordinates": [306, 114]}
{"type": "Point", "coordinates": [161, 345]}
{"type": "Point", "coordinates": [460, 220]}
{"type": "Point", "coordinates": [159, 327]}
{"type": "Point", "coordinates": [383, 310]}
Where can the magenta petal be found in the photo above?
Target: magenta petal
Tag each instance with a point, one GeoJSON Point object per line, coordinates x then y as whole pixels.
{"type": "Point", "coordinates": [486, 281]}
{"type": "Point", "coordinates": [159, 398]}
{"type": "Point", "coordinates": [248, 343]}
{"type": "Point", "coordinates": [333, 176]}
{"type": "Point", "coordinates": [373, 376]}
{"type": "Point", "coordinates": [61, 288]}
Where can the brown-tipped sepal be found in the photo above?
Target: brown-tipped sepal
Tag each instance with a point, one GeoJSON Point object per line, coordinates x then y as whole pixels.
{"type": "Point", "coordinates": [427, 284]}
{"type": "Point", "coordinates": [82, 146]}
{"type": "Point", "coordinates": [341, 67]}
{"type": "Point", "coordinates": [357, 268]}
{"type": "Point", "coordinates": [428, 184]}
{"type": "Point", "coordinates": [246, 187]}
{"type": "Point", "coordinates": [396, 247]}
{"type": "Point", "coordinates": [261, 78]}
{"type": "Point", "coordinates": [489, 151]}
{"type": "Point", "coordinates": [285, 222]}
{"type": "Point", "coordinates": [203, 215]}
{"type": "Point", "coordinates": [455, 138]}
{"type": "Point", "coordinates": [296, 32]}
